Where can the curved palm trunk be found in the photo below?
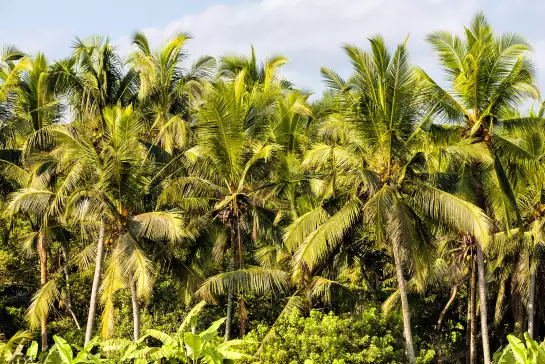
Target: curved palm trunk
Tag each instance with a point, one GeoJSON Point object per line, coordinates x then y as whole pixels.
{"type": "Point", "coordinates": [42, 253]}
{"type": "Point", "coordinates": [135, 311]}
{"type": "Point", "coordinates": [454, 291]}
{"type": "Point", "coordinates": [404, 307]}
{"type": "Point", "coordinates": [531, 301]}
{"type": "Point", "coordinates": [68, 298]}
{"type": "Point", "coordinates": [96, 284]}
{"type": "Point", "coordinates": [482, 297]}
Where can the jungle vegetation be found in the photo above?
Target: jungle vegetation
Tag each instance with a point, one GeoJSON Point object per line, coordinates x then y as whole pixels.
{"type": "Point", "coordinates": [395, 218]}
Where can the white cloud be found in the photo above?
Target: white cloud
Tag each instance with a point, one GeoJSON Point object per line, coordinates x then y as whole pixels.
{"type": "Point", "coordinates": [310, 32]}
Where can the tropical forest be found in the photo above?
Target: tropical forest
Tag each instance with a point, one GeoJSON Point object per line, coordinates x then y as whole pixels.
{"type": "Point", "coordinates": [165, 207]}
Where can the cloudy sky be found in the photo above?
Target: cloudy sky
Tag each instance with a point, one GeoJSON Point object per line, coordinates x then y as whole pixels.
{"type": "Point", "coordinates": [308, 32]}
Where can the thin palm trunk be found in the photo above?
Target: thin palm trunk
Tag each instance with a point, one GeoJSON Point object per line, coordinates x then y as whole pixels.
{"type": "Point", "coordinates": [229, 318]}
{"type": "Point", "coordinates": [96, 284]}
{"type": "Point", "coordinates": [42, 253]}
{"type": "Point", "coordinates": [68, 296]}
{"type": "Point", "coordinates": [454, 291]}
{"type": "Point", "coordinates": [404, 307]}
{"type": "Point", "coordinates": [531, 300]}
{"type": "Point", "coordinates": [482, 298]}
{"type": "Point", "coordinates": [135, 311]}
{"type": "Point", "coordinates": [472, 324]}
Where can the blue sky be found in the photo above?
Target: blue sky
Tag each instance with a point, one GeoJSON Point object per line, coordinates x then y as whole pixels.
{"type": "Point", "coordinates": [308, 32]}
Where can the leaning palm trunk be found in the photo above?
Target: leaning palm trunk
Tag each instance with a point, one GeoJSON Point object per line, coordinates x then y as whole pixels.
{"type": "Point", "coordinates": [453, 293]}
{"type": "Point", "coordinates": [68, 298]}
{"type": "Point", "coordinates": [482, 297]}
{"type": "Point", "coordinates": [96, 283]}
{"type": "Point", "coordinates": [42, 253]}
{"type": "Point", "coordinates": [531, 300]}
{"type": "Point", "coordinates": [135, 310]}
{"type": "Point", "coordinates": [404, 306]}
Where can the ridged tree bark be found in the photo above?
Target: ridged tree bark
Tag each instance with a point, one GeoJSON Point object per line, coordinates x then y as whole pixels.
{"type": "Point", "coordinates": [531, 300]}
{"type": "Point", "coordinates": [96, 284]}
{"type": "Point", "coordinates": [135, 311]}
{"type": "Point", "coordinates": [409, 346]}
{"type": "Point", "coordinates": [482, 298]}
{"type": "Point", "coordinates": [42, 253]}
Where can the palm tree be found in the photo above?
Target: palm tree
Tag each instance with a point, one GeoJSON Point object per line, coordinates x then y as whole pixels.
{"type": "Point", "coordinates": [166, 93]}
{"type": "Point", "coordinates": [522, 150]}
{"type": "Point", "coordinates": [264, 74]}
{"type": "Point", "coordinates": [489, 76]}
{"type": "Point", "coordinates": [13, 64]}
{"type": "Point", "coordinates": [40, 204]}
{"type": "Point", "coordinates": [107, 189]}
{"type": "Point", "coordinates": [91, 80]}
{"type": "Point", "coordinates": [226, 163]}
{"type": "Point", "coordinates": [374, 141]}
{"type": "Point", "coordinates": [31, 106]}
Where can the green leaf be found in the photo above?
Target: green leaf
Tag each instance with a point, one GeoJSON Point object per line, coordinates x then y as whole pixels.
{"type": "Point", "coordinates": [193, 344]}
{"type": "Point", "coordinates": [65, 350]}
{"type": "Point", "coordinates": [212, 331]}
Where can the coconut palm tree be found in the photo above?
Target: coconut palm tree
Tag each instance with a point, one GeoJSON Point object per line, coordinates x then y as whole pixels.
{"type": "Point", "coordinates": [167, 93]}
{"type": "Point", "coordinates": [38, 201]}
{"type": "Point", "coordinates": [264, 74]}
{"type": "Point", "coordinates": [488, 75]}
{"type": "Point", "coordinates": [13, 64]}
{"type": "Point", "coordinates": [373, 153]}
{"type": "Point", "coordinates": [104, 196]}
{"type": "Point", "coordinates": [91, 80]}
{"type": "Point", "coordinates": [226, 164]}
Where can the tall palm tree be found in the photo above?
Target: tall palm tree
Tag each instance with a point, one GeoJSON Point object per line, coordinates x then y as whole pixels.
{"type": "Point", "coordinates": [226, 163]}
{"type": "Point", "coordinates": [39, 203]}
{"type": "Point", "coordinates": [32, 105]}
{"type": "Point", "coordinates": [13, 64]}
{"type": "Point", "coordinates": [104, 194]}
{"type": "Point", "coordinates": [167, 93]}
{"type": "Point", "coordinates": [374, 143]}
{"type": "Point", "coordinates": [489, 76]}
{"type": "Point", "coordinates": [91, 80]}
{"type": "Point", "coordinates": [264, 74]}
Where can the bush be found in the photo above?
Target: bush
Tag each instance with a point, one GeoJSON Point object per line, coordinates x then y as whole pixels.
{"type": "Point", "coordinates": [327, 338]}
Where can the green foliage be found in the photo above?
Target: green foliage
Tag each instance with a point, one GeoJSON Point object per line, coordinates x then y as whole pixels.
{"type": "Point", "coordinates": [519, 352]}
{"type": "Point", "coordinates": [183, 346]}
{"type": "Point", "coordinates": [222, 181]}
{"type": "Point", "coordinates": [327, 338]}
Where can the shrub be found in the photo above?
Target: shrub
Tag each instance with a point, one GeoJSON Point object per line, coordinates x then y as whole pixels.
{"type": "Point", "coordinates": [327, 338]}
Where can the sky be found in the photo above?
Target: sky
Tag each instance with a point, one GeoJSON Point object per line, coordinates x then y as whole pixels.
{"type": "Point", "coordinates": [309, 32]}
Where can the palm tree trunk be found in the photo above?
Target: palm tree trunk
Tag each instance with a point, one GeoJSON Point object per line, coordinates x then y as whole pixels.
{"type": "Point", "coordinates": [482, 298]}
{"type": "Point", "coordinates": [68, 297]}
{"type": "Point", "coordinates": [472, 321]}
{"type": "Point", "coordinates": [42, 253]}
{"type": "Point", "coordinates": [229, 318]}
{"type": "Point", "coordinates": [135, 311]}
{"type": "Point", "coordinates": [96, 284]}
{"type": "Point", "coordinates": [531, 301]}
{"type": "Point", "coordinates": [404, 307]}
{"type": "Point", "coordinates": [447, 306]}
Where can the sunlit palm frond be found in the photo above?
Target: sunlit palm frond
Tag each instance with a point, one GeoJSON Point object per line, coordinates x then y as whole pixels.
{"type": "Point", "coordinates": [42, 302]}
{"type": "Point", "coordinates": [250, 280]}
